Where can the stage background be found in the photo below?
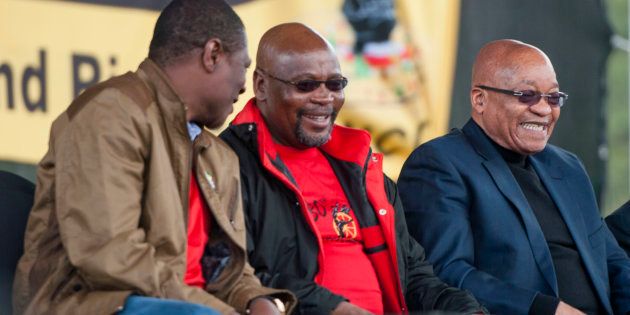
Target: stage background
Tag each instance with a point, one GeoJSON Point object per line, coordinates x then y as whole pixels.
{"type": "Point", "coordinates": [409, 80]}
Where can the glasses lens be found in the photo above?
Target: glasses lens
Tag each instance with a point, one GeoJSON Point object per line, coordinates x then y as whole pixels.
{"type": "Point", "coordinates": [336, 85]}
{"type": "Point", "coordinates": [307, 85]}
{"type": "Point", "coordinates": [555, 99]}
{"type": "Point", "coordinates": [529, 97]}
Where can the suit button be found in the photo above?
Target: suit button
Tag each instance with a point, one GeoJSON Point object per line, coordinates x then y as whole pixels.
{"type": "Point", "coordinates": [382, 212]}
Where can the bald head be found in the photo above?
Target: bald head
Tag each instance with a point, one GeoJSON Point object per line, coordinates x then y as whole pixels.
{"type": "Point", "coordinates": [292, 62]}
{"type": "Point", "coordinates": [512, 86]}
{"type": "Point", "coordinates": [288, 39]}
{"type": "Point", "coordinates": [499, 60]}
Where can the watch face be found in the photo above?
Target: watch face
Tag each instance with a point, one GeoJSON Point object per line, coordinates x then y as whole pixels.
{"type": "Point", "coordinates": [279, 305]}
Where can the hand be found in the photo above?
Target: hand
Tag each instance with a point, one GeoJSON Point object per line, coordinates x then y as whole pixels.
{"type": "Point", "coordinates": [347, 308]}
{"type": "Point", "coordinates": [263, 306]}
{"type": "Point", "coordinates": [566, 309]}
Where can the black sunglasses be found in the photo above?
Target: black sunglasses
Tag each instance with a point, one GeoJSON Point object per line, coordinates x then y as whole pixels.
{"type": "Point", "coordinates": [530, 97]}
{"type": "Point", "coordinates": [308, 85]}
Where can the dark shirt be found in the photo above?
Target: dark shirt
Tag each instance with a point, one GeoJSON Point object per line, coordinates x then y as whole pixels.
{"type": "Point", "coordinates": [619, 224]}
{"type": "Point", "coordinates": [574, 285]}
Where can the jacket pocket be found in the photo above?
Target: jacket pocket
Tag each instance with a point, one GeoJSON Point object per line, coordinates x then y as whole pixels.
{"type": "Point", "coordinates": [71, 284]}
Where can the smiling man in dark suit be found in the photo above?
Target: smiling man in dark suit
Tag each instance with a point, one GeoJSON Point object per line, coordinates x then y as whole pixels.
{"type": "Point", "coordinates": [505, 215]}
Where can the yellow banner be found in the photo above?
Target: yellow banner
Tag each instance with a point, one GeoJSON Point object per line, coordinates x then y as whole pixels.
{"type": "Point", "coordinates": [400, 81]}
{"type": "Point", "coordinates": [49, 49]}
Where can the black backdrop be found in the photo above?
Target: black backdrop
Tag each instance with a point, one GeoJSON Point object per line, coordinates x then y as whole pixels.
{"type": "Point", "coordinates": [575, 34]}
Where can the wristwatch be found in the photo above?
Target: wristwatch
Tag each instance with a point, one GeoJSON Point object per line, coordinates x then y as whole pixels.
{"type": "Point", "coordinates": [276, 301]}
{"type": "Point", "coordinates": [279, 305]}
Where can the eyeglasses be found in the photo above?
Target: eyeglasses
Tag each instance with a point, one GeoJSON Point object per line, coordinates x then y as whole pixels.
{"type": "Point", "coordinates": [308, 85]}
{"type": "Point", "coordinates": [530, 97]}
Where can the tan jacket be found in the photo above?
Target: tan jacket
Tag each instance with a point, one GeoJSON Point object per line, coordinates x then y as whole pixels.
{"type": "Point", "coordinates": [111, 205]}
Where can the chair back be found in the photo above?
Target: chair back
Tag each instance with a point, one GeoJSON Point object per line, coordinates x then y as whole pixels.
{"type": "Point", "coordinates": [16, 200]}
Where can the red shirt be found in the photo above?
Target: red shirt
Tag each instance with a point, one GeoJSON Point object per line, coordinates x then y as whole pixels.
{"type": "Point", "coordinates": [198, 234]}
{"type": "Point", "coordinates": [347, 271]}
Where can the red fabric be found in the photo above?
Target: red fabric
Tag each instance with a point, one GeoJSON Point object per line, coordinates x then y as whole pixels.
{"type": "Point", "coordinates": [392, 290]}
{"type": "Point", "coordinates": [347, 269]}
{"type": "Point", "coordinates": [198, 234]}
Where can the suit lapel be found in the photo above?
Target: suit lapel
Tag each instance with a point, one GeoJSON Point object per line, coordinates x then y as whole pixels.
{"type": "Point", "coordinates": [559, 188]}
{"type": "Point", "coordinates": [507, 184]}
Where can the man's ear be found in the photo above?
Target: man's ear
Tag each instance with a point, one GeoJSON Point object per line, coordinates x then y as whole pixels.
{"type": "Point", "coordinates": [260, 88]}
{"type": "Point", "coordinates": [477, 100]}
{"type": "Point", "coordinates": [213, 51]}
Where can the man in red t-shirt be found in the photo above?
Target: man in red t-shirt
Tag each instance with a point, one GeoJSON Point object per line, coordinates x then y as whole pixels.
{"type": "Point", "coordinates": [323, 220]}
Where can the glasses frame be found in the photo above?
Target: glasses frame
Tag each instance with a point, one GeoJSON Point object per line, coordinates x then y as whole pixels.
{"type": "Point", "coordinates": [343, 79]}
{"type": "Point", "coordinates": [563, 96]}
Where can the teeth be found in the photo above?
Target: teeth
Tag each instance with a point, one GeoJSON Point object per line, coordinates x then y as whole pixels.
{"type": "Point", "coordinates": [317, 118]}
{"type": "Point", "coordinates": [533, 127]}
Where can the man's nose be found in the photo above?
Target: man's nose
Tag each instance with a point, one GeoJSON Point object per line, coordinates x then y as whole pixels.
{"type": "Point", "coordinates": [322, 95]}
{"type": "Point", "coordinates": [541, 108]}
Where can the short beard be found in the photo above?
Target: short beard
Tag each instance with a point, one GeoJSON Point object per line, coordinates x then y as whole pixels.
{"type": "Point", "coordinates": [312, 140]}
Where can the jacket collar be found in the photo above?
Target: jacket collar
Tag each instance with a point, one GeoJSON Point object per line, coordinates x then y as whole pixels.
{"type": "Point", "coordinates": [479, 140]}
{"type": "Point", "coordinates": [541, 161]}
{"type": "Point", "coordinates": [346, 144]}
{"type": "Point", "coordinates": [171, 106]}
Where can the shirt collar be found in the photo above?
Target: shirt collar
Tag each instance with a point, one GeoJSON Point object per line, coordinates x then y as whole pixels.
{"type": "Point", "coordinates": [193, 130]}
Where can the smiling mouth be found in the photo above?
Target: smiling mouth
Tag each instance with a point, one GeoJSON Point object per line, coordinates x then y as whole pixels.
{"type": "Point", "coordinates": [533, 126]}
{"type": "Point", "coordinates": [317, 118]}
{"type": "Point", "coordinates": [317, 122]}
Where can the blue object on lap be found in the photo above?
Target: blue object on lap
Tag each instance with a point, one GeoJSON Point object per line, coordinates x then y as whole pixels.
{"type": "Point", "coordinates": [142, 305]}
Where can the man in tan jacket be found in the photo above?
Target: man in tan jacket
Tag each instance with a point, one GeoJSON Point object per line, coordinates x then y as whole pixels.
{"type": "Point", "coordinates": [136, 204]}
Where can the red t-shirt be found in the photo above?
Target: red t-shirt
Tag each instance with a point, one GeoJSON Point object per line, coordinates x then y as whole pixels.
{"type": "Point", "coordinates": [198, 234]}
{"type": "Point", "coordinates": [347, 269]}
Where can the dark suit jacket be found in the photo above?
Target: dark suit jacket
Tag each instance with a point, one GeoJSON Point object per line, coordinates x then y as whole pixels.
{"type": "Point", "coordinates": [465, 207]}
{"type": "Point", "coordinates": [619, 224]}
{"type": "Point", "coordinates": [16, 199]}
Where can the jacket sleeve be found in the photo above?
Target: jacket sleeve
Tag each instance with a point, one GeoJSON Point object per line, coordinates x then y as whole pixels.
{"type": "Point", "coordinates": [99, 187]}
{"type": "Point", "coordinates": [617, 262]}
{"type": "Point", "coordinates": [249, 288]}
{"type": "Point", "coordinates": [312, 298]}
{"type": "Point", "coordinates": [619, 224]}
{"type": "Point", "coordinates": [618, 273]}
{"type": "Point", "coordinates": [618, 270]}
{"type": "Point", "coordinates": [424, 290]}
{"type": "Point", "coordinates": [436, 204]}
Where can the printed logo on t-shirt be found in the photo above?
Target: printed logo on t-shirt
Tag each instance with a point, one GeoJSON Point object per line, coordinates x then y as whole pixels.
{"type": "Point", "coordinates": [343, 223]}
{"type": "Point", "coordinates": [341, 220]}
